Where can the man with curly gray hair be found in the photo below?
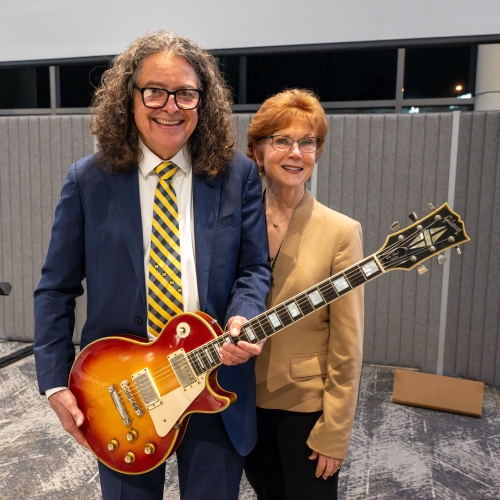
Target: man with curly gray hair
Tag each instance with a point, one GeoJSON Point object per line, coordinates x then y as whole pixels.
{"type": "Point", "coordinates": [161, 107]}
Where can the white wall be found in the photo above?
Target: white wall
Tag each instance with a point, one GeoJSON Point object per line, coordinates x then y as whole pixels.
{"type": "Point", "coordinates": [47, 29]}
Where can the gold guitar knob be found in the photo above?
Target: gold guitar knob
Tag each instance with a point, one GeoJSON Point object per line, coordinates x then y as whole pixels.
{"type": "Point", "coordinates": [113, 445]}
{"type": "Point", "coordinates": [129, 458]}
{"type": "Point", "coordinates": [149, 449]}
{"type": "Point", "coordinates": [132, 435]}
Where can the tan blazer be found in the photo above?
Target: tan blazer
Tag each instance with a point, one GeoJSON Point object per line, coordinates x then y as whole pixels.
{"type": "Point", "coordinates": [315, 364]}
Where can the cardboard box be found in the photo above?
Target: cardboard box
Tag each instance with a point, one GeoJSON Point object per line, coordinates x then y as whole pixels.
{"type": "Point", "coordinates": [438, 393]}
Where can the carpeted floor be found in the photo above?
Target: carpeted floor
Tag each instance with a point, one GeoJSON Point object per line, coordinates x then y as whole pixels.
{"type": "Point", "coordinates": [397, 452]}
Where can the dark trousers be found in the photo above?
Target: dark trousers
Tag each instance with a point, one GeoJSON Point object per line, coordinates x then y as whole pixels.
{"type": "Point", "coordinates": [209, 468]}
{"type": "Point", "coordinates": [278, 468]}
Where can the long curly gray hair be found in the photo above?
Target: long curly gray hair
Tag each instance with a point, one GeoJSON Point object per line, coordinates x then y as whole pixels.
{"type": "Point", "coordinates": [212, 143]}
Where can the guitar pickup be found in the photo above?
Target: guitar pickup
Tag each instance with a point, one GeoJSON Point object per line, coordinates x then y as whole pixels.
{"type": "Point", "coordinates": [147, 389]}
{"type": "Point", "coordinates": [183, 369]}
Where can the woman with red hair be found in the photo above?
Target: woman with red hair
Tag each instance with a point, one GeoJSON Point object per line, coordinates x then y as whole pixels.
{"type": "Point", "coordinates": [307, 375]}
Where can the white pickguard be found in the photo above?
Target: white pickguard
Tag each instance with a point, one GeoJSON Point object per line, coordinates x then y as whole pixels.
{"type": "Point", "coordinates": [175, 403]}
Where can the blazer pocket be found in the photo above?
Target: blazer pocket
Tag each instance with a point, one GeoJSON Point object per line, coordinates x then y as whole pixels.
{"type": "Point", "coordinates": [308, 365]}
{"type": "Point", "coordinates": [228, 220]}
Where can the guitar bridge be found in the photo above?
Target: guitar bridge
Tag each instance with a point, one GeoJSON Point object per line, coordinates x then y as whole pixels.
{"type": "Point", "coordinates": [126, 389]}
{"type": "Point", "coordinates": [147, 389]}
{"type": "Point", "coordinates": [119, 405]}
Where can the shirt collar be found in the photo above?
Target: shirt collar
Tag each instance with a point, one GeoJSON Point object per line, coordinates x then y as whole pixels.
{"type": "Point", "coordinates": [150, 161]}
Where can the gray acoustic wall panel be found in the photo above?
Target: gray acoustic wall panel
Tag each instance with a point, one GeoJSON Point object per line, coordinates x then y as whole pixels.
{"type": "Point", "coordinates": [472, 338]}
{"type": "Point", "coordinates": [375, 168]}
{"type": "Point", "coordinates": [35, 156]}
{"type": "Point", "coordinates": [378, 169]}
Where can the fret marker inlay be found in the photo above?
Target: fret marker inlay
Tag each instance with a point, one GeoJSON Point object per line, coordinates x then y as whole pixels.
{"type": "Point", "coordinates": [273, 318]}
{"type": "Point", "coordinates": [200, 361]}
{"type": "Point", "coordinates": [341, 284]}
{"type": "Point", "coordinates": [315, 298]}
{"type": "Point", "coordinates": [294, 310]}
{"type": "Point", "coordinates": [248, 330]}
{"type": "Point", "coordinates": [370, 268]}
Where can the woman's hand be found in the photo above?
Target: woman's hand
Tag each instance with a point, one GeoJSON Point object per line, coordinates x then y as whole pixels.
{"type": "Point", "coordinates": [327, 466]}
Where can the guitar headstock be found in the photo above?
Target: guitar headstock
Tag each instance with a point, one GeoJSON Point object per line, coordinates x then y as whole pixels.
{"type": "Point", "coordinates": [426, 238]}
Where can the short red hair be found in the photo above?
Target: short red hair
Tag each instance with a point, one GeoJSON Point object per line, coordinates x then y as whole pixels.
{"type": "Point", "coordinates": [282, 110]}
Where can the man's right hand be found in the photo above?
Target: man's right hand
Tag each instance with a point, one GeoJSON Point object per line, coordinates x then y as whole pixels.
{"type": "Point", "coordinates": [66, 408]}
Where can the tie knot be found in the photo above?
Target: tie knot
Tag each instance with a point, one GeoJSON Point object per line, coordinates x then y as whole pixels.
{"type": "Point", "coordinates": [166, 170]}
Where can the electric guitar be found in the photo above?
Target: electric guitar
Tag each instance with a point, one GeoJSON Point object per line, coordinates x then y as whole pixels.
{"type": "Point", "coordinates": [137, 396]}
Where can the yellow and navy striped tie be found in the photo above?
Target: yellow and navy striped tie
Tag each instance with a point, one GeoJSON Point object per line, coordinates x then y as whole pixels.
{"type": "Point", "coordinates": [165, 278]}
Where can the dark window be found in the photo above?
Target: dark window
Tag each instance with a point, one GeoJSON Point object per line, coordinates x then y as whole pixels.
{"type": "Point", "coordinates": [77, 83]}
{"type": "Point", "coordinates": [334, 76]}
{"type": "Point", "coordinates": [24, 87]}
{"type": "Point", "coordinates": [434, 72]}
{"type": "Point", "coordinates": [230, 68]}
{"type": "Point", "coordinates": [42, 87]}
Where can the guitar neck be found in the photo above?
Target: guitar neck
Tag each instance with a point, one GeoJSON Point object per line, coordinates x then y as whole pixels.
{"type": "Point", "coordinates": [265, 325]}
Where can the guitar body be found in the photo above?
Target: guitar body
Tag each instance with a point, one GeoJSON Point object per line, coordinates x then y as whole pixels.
{"type": "Point", "coordinates": [145, 437]}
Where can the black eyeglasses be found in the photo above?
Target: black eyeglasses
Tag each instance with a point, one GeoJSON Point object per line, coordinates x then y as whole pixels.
{"type": "Point", "coordinates": [283, 143]}
{"type": "Point", "coordinates": [156, 98]}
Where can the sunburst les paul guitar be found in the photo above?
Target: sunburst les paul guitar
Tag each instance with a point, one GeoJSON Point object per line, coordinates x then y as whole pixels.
{"type": "Point", "coordinates": [137, 396]}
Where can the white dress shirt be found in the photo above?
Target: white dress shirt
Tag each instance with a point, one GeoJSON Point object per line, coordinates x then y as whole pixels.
{"type": "Point", "coordinates": [183, 186]}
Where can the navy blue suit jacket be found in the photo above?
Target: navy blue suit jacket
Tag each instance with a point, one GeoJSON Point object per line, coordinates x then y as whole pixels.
{"type": "Point", "coordinates": [97, 235]}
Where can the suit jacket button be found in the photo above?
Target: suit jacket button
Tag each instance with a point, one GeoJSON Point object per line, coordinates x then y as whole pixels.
{"type": "Point", "coordinates": [138, 321]}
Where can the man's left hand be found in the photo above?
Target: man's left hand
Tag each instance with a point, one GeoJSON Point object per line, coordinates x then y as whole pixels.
{"type": "Point", "coordinates": [235, 354]}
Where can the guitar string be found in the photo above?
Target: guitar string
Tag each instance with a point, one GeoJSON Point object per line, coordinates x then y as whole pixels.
{"type": "Point", "coordinates": [167, 370]}
{"type": "Point", "coordinates": [398, 243]}
{"type": "Point", "coordinates": [301, 300]}
{"type": "Point", "coordinates": [350, 273]}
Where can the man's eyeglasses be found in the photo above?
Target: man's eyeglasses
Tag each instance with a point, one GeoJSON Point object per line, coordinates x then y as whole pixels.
{"type": "Point", "coordinates": [283, 143]}
{"type": "Point", "coordinates": [156, 98]}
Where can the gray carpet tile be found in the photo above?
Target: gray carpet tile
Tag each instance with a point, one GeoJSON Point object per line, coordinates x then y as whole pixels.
{"type": "Point", "coordinates": [404, 452]}
{"type": "Point", "coordinates": [10, 346]}
{"type": "Point", "coordinates": [397, 452]}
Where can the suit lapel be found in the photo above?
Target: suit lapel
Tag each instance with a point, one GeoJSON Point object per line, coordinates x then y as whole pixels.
{"type": "Point", "coordinates": [206, 198]}
{"type": "Point", "coordinates": [125, 189]}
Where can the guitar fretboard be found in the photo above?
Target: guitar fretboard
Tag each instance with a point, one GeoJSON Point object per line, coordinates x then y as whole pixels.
{"type": "Point", "coordinates": [263, 326]}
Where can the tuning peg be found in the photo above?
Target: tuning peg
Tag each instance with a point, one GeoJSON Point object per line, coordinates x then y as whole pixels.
{"type": "Point", "coordinates": [413, 217]}
{"type": "Point", "coordinates": [459, 252]}
{"type": "Point", "coordinates": [432, 207]}
{"type": "Point", "coordinates": [394, 226]}
{"type": "Point", "coordinates": [441, 259]}
{"type": "Point", "coordinates": [421, 269]}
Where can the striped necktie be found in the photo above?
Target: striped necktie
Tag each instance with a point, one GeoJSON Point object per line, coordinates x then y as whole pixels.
{"type": "Point", "coordinates": [165, 283]}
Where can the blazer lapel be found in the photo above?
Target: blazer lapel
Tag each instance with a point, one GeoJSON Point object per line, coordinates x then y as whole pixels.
{"type": "Point", "coordinates": [206, 198]}
{"type": "Point", "coordinates": [295, 236]}
{"type": "Point", "coordinates": [125, 189]}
